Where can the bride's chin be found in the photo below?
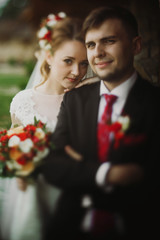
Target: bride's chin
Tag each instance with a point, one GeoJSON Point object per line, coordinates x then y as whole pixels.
{"type": "Point", "coordinates": [70, 86]}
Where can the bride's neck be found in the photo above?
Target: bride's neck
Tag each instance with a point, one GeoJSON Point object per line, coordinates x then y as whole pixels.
{"type": "Point", "coordinates": [51, 88]}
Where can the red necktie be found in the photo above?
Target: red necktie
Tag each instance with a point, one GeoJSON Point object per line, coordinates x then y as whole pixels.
{"type": "Point", "coordinates": [103, 221]}
{"type": "Point", "coordinates": [103, 134]}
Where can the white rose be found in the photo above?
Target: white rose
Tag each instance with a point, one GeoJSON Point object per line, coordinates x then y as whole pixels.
{"type": "Point", "coordinates": [13, 165]}
{"type": "Point", "coordinates": [47, 46]}
{"type": "Point", "coordinates": [62, 15]}
{"type": "Point", "coordinates": [26, 145]}
{"type": "Point", "coordinates": [13, 141]}
{"type": "Point", "coordinates": [39, 133]}
{"type": "Point", "coordinates": [51, 16]}
{"type": "Point", "coordinates": [51, 23]}
{"type": "Point", "coordinates": [40, 155]}
{"type": "Point", "coordinates": [42, 43]}
{"type": "Point", "coordinates": [125, 121]}
{"type": "Point", "coordinates": [42, 32]}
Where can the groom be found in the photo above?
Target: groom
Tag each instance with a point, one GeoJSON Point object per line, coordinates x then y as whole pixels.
{"type": "Point", "coordinates": [117, 176]}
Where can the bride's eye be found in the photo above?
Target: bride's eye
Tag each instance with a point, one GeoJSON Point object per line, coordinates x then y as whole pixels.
{"type": "Point", "coordinates": [68, 61]}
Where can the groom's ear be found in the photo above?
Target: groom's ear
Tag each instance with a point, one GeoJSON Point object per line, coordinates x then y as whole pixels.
{"type": "Point", "coordinates": [137, 45]}
{"type": "Point", "coordinates": [48, 57]}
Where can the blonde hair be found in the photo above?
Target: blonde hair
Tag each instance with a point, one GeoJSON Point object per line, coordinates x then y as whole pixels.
{"type": "Point", "coordinates": [64, 30]}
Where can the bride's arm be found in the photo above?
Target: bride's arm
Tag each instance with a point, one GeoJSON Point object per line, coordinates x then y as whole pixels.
{"type": "Point", "coordinates": [86, 81]}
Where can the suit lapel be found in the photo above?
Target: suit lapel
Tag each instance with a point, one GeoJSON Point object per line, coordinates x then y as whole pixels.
{"type": "Point", "coordinates": [136, 110]}
{"type": "Point", "coordinates": [90, 121]}
{"type": "Point", "coordinates": [134, 106]}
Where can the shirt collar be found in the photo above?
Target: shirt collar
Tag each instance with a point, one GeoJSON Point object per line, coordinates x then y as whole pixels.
{"type": "Point", "coordinates": [122, 90]}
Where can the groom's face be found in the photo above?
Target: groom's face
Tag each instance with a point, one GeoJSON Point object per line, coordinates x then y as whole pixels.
{"type": "Point", "coordinates": [110, 51]}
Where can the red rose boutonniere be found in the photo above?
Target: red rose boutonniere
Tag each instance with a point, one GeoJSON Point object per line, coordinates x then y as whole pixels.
{"type": "Point", "coordinates": [118, 133]}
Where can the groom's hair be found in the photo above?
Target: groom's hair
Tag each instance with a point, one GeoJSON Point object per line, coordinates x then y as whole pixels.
{"type": "Point", "coordinates": [97, 16]}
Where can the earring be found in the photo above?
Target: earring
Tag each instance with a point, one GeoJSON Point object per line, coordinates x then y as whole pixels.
{"type": "Point", "coordinates": [49, 66]}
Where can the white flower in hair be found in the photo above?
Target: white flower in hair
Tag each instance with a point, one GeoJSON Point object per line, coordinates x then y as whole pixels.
{"type": "Point", "coordinates": [51, 23]}
{"type": "Point", "coordinates": [51, 16]}
{"type": "Point", "coordinates": [42, 32]}
{"type": "Point", "coordinates": [62, 15]}
{"type": "Point", "coordinates": [47, 26]}
{"type": "Point", "coordinates": [42, 43]}
{"type": "Point", "coordinates": [47, 46]}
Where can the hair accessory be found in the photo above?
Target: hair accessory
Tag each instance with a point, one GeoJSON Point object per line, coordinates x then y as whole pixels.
{"type": "Point", "coordinates": [45, 32]}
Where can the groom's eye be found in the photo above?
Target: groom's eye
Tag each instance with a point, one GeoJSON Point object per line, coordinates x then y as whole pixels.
{"type": "Point", "coordinates": [90, 45]}
{"type": "Point", "coordinates": [84, 64]}
{"type": "Point", "coordinates": [109, 40]}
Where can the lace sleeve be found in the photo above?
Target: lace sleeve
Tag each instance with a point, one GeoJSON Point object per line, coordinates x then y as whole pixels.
{"type": "Point", "coordinates": [16, 101]}
{"type": "Point", "coordinates": [13, 105]}
{"type": "Point", "coordinates": [22, 107]}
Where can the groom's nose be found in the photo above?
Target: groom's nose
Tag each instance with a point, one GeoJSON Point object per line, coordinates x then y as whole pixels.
{"type": "Point", "coordinates": [99, 51]}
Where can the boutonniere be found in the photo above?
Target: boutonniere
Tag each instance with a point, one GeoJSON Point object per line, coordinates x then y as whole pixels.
{"type": "Point", "coordinates": [118, 131]}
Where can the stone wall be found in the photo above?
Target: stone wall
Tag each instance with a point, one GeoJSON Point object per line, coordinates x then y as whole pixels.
{"type": "Point", "coordinates": [148, 15]}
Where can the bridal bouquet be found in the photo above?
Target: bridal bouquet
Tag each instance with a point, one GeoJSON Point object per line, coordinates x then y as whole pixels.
{"type": "Point", "coordinates": [23, 148]}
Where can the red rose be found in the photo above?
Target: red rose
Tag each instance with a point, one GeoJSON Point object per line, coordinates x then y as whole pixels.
{"type": "Point", "coordinates": [22, 136]}
{"type": "Point", "coordinates": [58, 18]}
{"type": "Point", "coordinates": [21, 161]}
{"type": "Point", "coordinates": [47, 36]}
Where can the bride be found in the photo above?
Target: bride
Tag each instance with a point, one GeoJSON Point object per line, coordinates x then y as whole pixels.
{"type": "Point", "coordinates": [62, 64]}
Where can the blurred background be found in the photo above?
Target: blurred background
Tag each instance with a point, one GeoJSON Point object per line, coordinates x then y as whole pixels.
{"type": "Point", "coordinates": [20, 20]}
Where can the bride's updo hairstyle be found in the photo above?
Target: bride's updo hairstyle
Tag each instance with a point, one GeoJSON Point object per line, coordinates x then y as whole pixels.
{"type": "Point", "coordinates": [54, 31]}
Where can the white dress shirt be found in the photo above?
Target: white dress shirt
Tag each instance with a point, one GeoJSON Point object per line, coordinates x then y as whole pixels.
{"type": "Point", "coordinates": [121, 92]}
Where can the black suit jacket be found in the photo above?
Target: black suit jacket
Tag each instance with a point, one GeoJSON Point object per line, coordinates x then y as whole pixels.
{"type": "Point", "coordinates": [77, 126]}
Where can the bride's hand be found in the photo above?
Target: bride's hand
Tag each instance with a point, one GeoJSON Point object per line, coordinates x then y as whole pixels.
{"type": "Point", "coordinates": [73, 154]}
{"type": "Point", "coordinates": [22, 184]}
{"type": "Point", "coordinates": [86, 81]}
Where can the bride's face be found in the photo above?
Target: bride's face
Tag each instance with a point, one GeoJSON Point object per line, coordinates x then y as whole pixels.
{"type": "Point", "coordinates": [68, 64]}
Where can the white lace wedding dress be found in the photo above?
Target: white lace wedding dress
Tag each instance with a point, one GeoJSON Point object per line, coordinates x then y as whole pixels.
{"type": "Point", "coordinates": [25, 213]}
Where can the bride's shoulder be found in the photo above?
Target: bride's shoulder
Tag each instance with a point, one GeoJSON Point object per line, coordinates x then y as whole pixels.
{"type": "Point", "coordinates": [22, 97]}
{"type": "Point", "coordinates": [23, 93]}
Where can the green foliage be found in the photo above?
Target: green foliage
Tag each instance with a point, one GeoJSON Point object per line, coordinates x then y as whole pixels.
{"type": "Point", "coordinates": [29, 65]}
{"type": "Point", "coordinates": [5, 121]}
{"type": "Point", "coordinates": [7, 80]}
{"type": "Point", "coordinates": [12, 61]}
{"type": "Point", "coordinates": [9, 85]}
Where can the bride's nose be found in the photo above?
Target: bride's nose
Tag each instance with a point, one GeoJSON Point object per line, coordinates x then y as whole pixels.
{"type": "Point", "coordinates": [75, 70]}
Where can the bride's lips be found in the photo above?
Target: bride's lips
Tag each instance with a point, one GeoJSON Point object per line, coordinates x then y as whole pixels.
{"type": "Point", "coordinates": [72, 79]}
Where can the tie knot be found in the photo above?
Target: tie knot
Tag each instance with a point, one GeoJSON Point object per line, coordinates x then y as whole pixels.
{"type": "Point", "coordinates": [110, 99]}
